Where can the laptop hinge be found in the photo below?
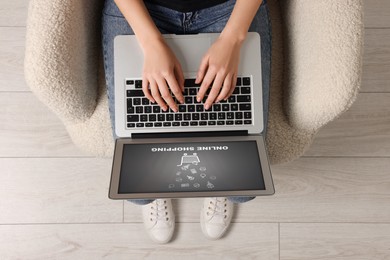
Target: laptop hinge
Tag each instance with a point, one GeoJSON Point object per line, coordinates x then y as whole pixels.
{"type": "Point", "coordinates": [189, 134]}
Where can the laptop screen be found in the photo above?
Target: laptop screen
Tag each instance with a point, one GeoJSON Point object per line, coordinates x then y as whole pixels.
{"type": "Point", "coordinates": [189, 167]}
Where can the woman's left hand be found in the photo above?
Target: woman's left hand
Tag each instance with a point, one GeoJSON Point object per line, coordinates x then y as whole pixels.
{"type": "Point", "coordinates": [218, 69]}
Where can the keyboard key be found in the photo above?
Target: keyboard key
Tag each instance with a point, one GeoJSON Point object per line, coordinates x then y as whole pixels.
{"type": "Point", "coordinates": [203, 123]}
{"type": "Point", "coordinates": [167, 124]}
{"type": "Point", "coordinates": [234, 107]}
{"type": "Point", "coordinates": [192, 91]}
{"type": "Point", "coordinates": [149, 124]}
{"type": "Point", "coordinates": [238, 122]}
{"type": "Point", "coordinates": [245, 90]}
{"type": "Point", "coordinates": [130, 125]}
{"type": "Point", "coordinates": [204, 116]}
{"type": "Point", "coordinates": [211, 122]}
{"type": "Point", "coordinates": [157, 124]}
{"type": "Point", "coordinates": [229, 122]}
{"type": "Point", "coordinates": [191, 108]}
{"type": "Point", "coordinates": [238, 115]}
{"type": "Point", "coordinates": [220, 122]}
{"type": "Point", "coordinates": [221, 116]}
{"type": "Point", "coordinates": [230, 115]}
{"type": "Point", "coordinates": [135, 93]}
{"type": "Point", "coordinates": [144, 118]}
{"type": "Point", "coordinates": [187, 117]}
{"type": "Point", "coordinates": [247, 115]}
{"type": "Point", "coordinates": [156, 109]}
{"type": "Point", "coordinates": [175, 123]}
{"type": "Point", "coordinates": [247, 122]}
{"type": "Point", "coordinates": [225, 107]}
{"type": "Point", "coordinates": [246, 81]}
{"type": "Point", "coordinates": [239, 81]}
{"type": "Point", "coordinates": [169, 117]}
{"type": "Point", "coordinates": [129, 82]}
{"type": "Point", "coordinates": [129, 102]}
{"type": "Point", "coordinates": [178, 117]}
{"type": "Point", "coordinates": [216, 107]}
{"type": "Point", "coordinates": [245, 107]}
{"type": "Point", "coordinates": [132, 118]}
{"type": "Point", "coordinates": [232, 99]}
{"type": "Point", "coordinates": [136, 101]}
{"type": "Point", "coordinates": [161, 117]}
{"type": "Point", "coordinates": [140, 124]}
{"type": "Point", "coordinates": [184, 123]}
{"type": "Point", "coordinates": [139, 110]}
{"type": "Point", "coordinates": [138, 84]}
{"type": "Point", "coordinates": [193, 123]}
{"type": "Point", "coordinates": [244, 98]}
{"type": "Point", "coordinates": [182, 108]}
{"type": "Point", "coordinates": [148, 109]}
{"type": "Point", "coordinates": [130, 110]}
{"type": "Point", "coordinates": [195, 116]}
{"type": "Point", "coordinates": [213, 116]}
{"type": "Point", "coordinates": [199, 108]}
{"type": "Point", "coordinates": [188, 100]}
{"type": "Point", "coordinates": [145, 101]}
{"type": "Point", "coordinates": [152, 118]}
{"type": "Point", "coordinates": [189, 83]}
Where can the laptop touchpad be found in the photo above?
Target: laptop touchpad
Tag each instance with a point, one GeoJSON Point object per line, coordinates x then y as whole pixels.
{"type": "Point", "coordinates": [189, 50]}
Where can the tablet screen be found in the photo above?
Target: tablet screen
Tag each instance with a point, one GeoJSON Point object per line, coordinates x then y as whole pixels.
{"type": "Point", "coordinates": [190, 167]}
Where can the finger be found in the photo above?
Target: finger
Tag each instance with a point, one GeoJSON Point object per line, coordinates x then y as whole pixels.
{"type": "Point", "coordinates": [214, 91]}
{"type": "Point", "coordinates": [234, 85]}
{"type": "Point", "coordinates": [174, 86]}
{"type": "Point", "coordinates": [179, 76]}
{"type": "Point", "coordinates": [202, 69]}
{"type": "Point", "coordinates": [207, 80]}
{"type": "Point", "coordinates": [226, 87]}
{"type": "Point", "coordinates": [145, 89]}
{"type": "Point", "coordinates": [156, 95]}
{"type": "Point", "coordinates": [164, 91]}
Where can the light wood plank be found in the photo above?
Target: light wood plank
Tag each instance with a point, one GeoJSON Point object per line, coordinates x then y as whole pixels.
{"type": "Point", "coordinates": [130, 241]}
{"type": "Point", "coordinates": [13, 13]}
{"type": "Point", "coordinates": [376, 13]}
{"type": "Point", "coordinates": [364, 130]}
{"type": "Point", "coordinates": [56, 190]}
{"type": "Point", "coordinates": [376, 61]}
{"type": "Point", "coordinates": [12, 44]}
{"type": "Point", "coordinates": [309, 190]}
{"type": "Point", "coordinates": [334, 241]}
{"type": "Point", "coordinates": [29, 129]}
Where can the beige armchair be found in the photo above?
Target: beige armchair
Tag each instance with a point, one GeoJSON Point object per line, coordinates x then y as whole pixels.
{"type": "Point", "coordinates": [316, 69]}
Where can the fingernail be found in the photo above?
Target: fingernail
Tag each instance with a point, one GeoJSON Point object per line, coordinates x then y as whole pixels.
{"type": "Point", "coordinates": [206, 106]}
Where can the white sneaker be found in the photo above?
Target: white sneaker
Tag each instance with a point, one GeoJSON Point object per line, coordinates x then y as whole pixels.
{"type": "Point", "coordinates": [159, 220]}
{"type": "Point", "coordinates": [215, 217]}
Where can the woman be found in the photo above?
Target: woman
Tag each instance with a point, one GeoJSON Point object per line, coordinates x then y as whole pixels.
{"type": "Point", "coordinates": [148, 20]}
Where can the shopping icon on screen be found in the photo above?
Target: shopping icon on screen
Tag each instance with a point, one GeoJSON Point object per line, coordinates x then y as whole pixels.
{"type": "Point", "coordinates": [189, 159]}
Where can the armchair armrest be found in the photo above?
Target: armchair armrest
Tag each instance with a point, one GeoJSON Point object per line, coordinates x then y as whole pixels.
{"type": "Point", "coordinates": [323, 51]}
{"type": "Point", "coordinates": [62, 54]}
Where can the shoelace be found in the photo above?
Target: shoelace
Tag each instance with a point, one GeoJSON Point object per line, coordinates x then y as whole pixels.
{"type": "Point", "coordinates": [160, 212]}
{"type": "Point", "coordinates": [217, 207]}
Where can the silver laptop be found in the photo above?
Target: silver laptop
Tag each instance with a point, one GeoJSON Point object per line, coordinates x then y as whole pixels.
{"type": "Point", "coordinates": [193, 152]}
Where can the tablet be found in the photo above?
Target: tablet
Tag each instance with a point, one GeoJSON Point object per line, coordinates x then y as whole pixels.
{"type": "Point", "coordinates": [190, 167]}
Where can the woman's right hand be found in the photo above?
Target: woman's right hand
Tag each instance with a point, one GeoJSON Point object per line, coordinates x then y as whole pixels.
{"type": "Point", "coordinates": [161, 72]}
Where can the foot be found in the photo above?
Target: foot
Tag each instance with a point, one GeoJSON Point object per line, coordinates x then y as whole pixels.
{"type": "Point", "coordinates": [159, 220]}
{"type": "Point", "coordinates": [215, 217]}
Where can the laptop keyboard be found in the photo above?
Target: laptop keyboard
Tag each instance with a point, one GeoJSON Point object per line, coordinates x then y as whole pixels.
{"type": "Point", "coordinates": [141, 113]}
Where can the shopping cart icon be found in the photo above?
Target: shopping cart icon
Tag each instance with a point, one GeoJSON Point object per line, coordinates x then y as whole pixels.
{"type": "Point", "coordinates": [185, 159]}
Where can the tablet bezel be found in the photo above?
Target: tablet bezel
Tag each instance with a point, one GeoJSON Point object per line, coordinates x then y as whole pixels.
{"type": "Point", "coordinates": [117, 162]}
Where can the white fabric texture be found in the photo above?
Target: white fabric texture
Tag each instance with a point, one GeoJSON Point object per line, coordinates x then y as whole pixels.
{"type": "Point", "coordinates": [316, 69]}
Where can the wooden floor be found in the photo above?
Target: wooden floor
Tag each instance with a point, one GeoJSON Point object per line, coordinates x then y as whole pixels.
{"type": "Point", "coordinates": [333, 203]}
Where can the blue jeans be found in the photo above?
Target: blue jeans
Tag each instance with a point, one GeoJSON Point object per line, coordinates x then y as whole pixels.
{"type": "Point", "coordinates": [168, 21]}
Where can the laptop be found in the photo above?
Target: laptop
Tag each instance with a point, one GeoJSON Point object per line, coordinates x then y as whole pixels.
{"type": "Point", "coordinates": [193, 152]}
